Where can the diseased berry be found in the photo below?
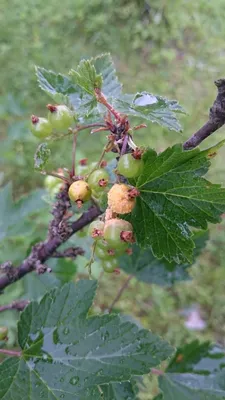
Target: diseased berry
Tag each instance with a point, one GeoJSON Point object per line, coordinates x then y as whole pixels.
{"type": "Point", "coordinates": [96, 229]}
{"type": "Point", "coordinates": [119, 200]}
{"type": "Point", "coordinates": [40, 127]}
{"type": "Point", "coordinates": [130, 167]}
{"type": "Point", "coordinates": [79, 192]}
{"type": "Point", "coordinates": [110, 265]}
{"type": "Point", "coordinates": [98, 179]}
{"type": "Point", "coordinates": [118, 233]}
{"type": "Point", "coordinates": [60, 116]}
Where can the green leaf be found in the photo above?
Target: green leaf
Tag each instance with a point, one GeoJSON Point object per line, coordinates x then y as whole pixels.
{"type": "Point", "coordinates": [19, 381]}
{"type": "Point", "coordinates": [86, 77]}
{"type": "Point", "coordinates": [12, 215]}
{"type": "Point", "coordinates": [191, 387]}
{"type": "Point", "coordinates": [145, 267]}
{"type": "Point", "coordinates": [173, 198]}
{"type": "Point", "coordinates": [195, 357]}
{"type": "Point", "coordinates": [59, 87]}
{"type": "Point", "coordinates": [196, 372]}
{"type": "Point", "coordinates": [151, 107]}
{"type": "Point", "coordinates": [68, 353]}
{"type": "Point", "coordinates": [104, 65]}
{"type": "Point", "coordinates": [63, 270]}
{"type": "Point", "coordinates": [41, 156]}
{"type": "Point", "coordinates": [119, 391]}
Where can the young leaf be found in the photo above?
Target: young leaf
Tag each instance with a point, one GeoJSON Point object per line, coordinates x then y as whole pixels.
{"type": "Point", "coordinates": [173, 197]}
{"type": "Point", "coordinates": [145, 267]}
{"type": "Point", "coordinates": [59, 87]}
{"type": "Point", "coordinates": [104, 66]}
{"type": "Point", "coordinates": [69, 353]}
{"type": "Point", "coordinates": [13, 214]}
{"type": "Point", "coordinates": [151, 107]}
{"type": "Point", "coordinates": [196, 372]}
{"type": "Point", "coordinates": [119, 391]}
{"type": "Point", "coordinates": [86, 77]}
{"type": "Point", "coordinates": [41, 156]}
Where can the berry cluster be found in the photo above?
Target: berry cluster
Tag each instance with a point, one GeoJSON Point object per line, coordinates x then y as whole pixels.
{"type": "Point", "coordinates": [111, 234]}
{"type": "Point", "coordinates": [60, 117]}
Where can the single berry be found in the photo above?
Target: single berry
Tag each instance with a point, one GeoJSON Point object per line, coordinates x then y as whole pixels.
{"type": "Point", "coordinates": [119, 200]}
{"type": "Point", "coordinates": [79, 192]}
{"type": "Point", "coordinates": [118, 233]}
{"type": "Point", "coordinates": [98, 179]}
{"type": "Point", "coordinates": [40, 127]}
{"type": "Point", "coordinates": [110, 265]}
{"type": "Point", "coordinates": [130, 167]}
{"type": "Point", "coordinates": [96, 229]}
{"type": "Point", "coordinates": [104, 254]}
{"type": "Point", "coordinates": [51, 182]}
{"type": "Point", "coordinates": [60, 116]}
{"type": "Point", "coordinates": [3, 332]}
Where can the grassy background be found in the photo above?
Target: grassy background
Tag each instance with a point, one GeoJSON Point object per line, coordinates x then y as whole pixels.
{"type": "Point", "coordinates": [174, 48]}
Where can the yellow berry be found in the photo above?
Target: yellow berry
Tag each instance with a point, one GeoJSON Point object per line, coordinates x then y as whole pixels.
{"type": "Point", "coordinates": [79, 191]}
{"type": "Point", "coordinates": [119, 200]}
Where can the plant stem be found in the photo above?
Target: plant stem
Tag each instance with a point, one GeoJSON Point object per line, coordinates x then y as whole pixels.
{"type": "Point", "coordinates": [92, 259]}
{"type": "Point", "coordinates": [216, 118]}
{"type": "Point", "coordinates": [157, 372]}
{"type": "Point", "coordinates": [73, 171]}
{"type": "Point", "coordinates": [15, 305]}
{"type": "Point", "coordinates": [56, 176]}
{"type": "Point", "coordinates": [120, 292]}
{"type": "Point", "coordinates": [124, 146]}
{"type": "Point", "coordinates": [102, 99]}
{"type": "Point", "coordinates": [13, 353]}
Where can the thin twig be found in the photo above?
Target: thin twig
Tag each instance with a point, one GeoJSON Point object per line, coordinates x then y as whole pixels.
{"type": "Point", "coordinates": [120, 292]}
{"type": "Point", "coordinates": [216, 118]}
{"type": "Point", "coordinates": [157, 372]}
{"type": "Point", "coordinates": [15, 305]}
{"type": "Point", "coordinates": [59, 233]}
{"type": "Point", "coordinates": [73, 171]}
{"type": "Point", "coordinates": [63, 178]}
{"type": "Point", "coordinates": [13, 353]}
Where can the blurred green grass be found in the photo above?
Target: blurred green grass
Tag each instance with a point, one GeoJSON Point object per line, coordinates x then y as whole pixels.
{"type": "Point", "coordinates": [174, 48]}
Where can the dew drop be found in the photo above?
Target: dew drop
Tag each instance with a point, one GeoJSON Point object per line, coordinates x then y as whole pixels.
{"type": "Point", "coordinates": [85, 380]}
{"type": "Point", "coordinates": [61, 379]}
{"type": "Point", "coordinates": [66, 331]}
{"type": "Point", "coordinates": [100, 372]}
{"type": "Point", "coordinates": [44, 357]}
{"type": "Point", "coordinates": [62, 396]}
{"type": "Point", "coordinates": [74, 380]}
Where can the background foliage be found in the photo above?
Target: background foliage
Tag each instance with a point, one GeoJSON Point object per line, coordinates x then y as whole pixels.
{"type": "Point", "coordinates": [173, 48]}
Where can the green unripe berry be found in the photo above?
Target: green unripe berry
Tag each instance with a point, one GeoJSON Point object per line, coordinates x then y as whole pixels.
{"type": "Point", "coordinates": [3, 332]}
{"type": "Point", "coordinates": [98, 179]}
{"type": "Point", "coordinates": [60, 116]}
{"type": "Point", "coordinates": [110, 265]}
{"type": "Point", "coordinates": [79, 191]}
{"type": "Point", "coordinates": [118, 233]}
{"type": "Point", "coordinates": [95, 229]}
{"type": "Point", "coordinates": [52, 182]}
{"type": "Point", "coordinates": [40, 127]}
{"type": "Point", "coordinates": [130, 167]}
{"type": "Point", "coordinates": [104, 254]}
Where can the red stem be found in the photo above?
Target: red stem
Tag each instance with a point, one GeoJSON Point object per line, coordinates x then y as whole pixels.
{"type": "Point", "coordinates": [13, 353]}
